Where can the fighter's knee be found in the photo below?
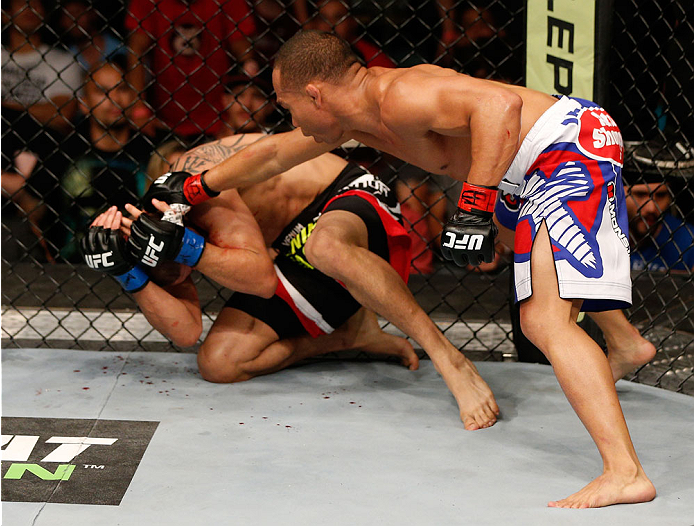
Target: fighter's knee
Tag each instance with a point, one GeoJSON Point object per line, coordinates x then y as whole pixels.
{"type": "Point", "coordinates": [533, 324]}
{"type": "Point", "coordinates": [218, 365]}
{"type": "Point", "coordinates": [323, 251]}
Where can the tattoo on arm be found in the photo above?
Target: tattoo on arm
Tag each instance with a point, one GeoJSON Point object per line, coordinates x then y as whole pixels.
{"type": "Point", "coordinates": [208, 155]}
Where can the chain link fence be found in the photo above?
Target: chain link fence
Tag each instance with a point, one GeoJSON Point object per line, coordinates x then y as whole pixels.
{"type": "Point", "coordinates": [78, 136]}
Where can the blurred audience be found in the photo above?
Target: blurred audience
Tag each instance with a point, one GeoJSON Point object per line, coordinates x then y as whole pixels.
{"type": "Point", "coordinates": [163, 158]}
{"type": "Point", "coordinates": [335, 16]}
{"type": "Point", "coordinates": [86, 34]}
{"type": "Point", "coordinates": [660, 241]}
{"type": "Point", "coordinates": [39, 83]}
{"type": "Point", "coordinates": [474, 42]}
{"type": "Point", "coordinates": [180, 53]}
{"type": "Point", "coordinates": [424, 209]}
{"type": "Point", "coordinates": [110, 157]}
{"type": "Point", "coordinates": [36, 78]}
{"type": "Point", "coordinates": [248, 106]}
{"type": "Point", "coordinates": [276, 21]}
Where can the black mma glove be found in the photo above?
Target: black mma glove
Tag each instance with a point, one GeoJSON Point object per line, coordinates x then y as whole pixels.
{"type": "Point", "coordinates": [155, 240]}
{"type": "Point", "coordinates": [178, 187]}
{"type": "Point", "coordinates": [468, 237]}
{"type": "Point", "coordinates": [105, 250]}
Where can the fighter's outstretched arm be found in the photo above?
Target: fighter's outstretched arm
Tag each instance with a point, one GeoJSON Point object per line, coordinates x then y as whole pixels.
{"type": "Point", "coordinates": [264, 159]}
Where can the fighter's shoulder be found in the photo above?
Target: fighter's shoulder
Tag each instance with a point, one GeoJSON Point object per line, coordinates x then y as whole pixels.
{"type": "Point", "coordinates": [412, 84]}
{"type": "Point", "coordinates": [211, 153]}
{"type": "Point", "coordinates": [219, 212]}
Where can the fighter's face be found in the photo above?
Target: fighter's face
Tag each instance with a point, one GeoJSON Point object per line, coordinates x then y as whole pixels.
{"type": "Point", "coordinates": [646, 203]}
{"type": "Point", "coordinates": [307, 113]}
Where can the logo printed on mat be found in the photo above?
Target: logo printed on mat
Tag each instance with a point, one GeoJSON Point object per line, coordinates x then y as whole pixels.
{"type": "Point", "coordinates": [71, 461]}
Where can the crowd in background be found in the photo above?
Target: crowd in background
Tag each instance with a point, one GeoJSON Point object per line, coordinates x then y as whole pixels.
{"type": "Point", "coordinates": [99, 98]}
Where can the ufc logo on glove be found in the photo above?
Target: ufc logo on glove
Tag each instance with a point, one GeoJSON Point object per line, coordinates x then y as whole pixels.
{"type": "Point", "coordinates": [151, 257]}
{"type": "Point", "coordinates": [97, 261]}
{"type": "Point", "coordinates": [467, 242]}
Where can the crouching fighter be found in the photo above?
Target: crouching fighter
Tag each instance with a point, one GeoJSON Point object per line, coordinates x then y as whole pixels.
{"type": "Point", "coordinates": [339, 245]}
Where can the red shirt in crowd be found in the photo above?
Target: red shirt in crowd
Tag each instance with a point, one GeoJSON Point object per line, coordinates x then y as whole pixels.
{"type": "Point", "coordinates": [372, 54]}
{"type": "Point", "coordinates": [190, 57]}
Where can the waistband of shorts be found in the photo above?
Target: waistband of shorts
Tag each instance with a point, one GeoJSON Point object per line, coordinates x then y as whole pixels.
{"type": "Point", "coordinates": [533, 144]}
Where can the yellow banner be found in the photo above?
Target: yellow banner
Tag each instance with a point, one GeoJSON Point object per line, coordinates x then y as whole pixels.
{"type": "Point", "coordinates": [561, 47]}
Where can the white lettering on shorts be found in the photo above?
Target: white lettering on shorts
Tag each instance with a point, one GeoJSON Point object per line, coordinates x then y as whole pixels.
{"type": "Point", "coordinates": [613, 216]}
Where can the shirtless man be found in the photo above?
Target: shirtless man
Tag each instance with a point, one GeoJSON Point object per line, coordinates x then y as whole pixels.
{"type": "Point", "coordinates": [489, 135]}
{"type": "Point", "coordinates": [266, 324]}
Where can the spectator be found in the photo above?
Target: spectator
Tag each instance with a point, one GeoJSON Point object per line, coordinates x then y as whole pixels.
{"type": "Point", "coordinates": [36, 79]}
{"type": "Point", "coordinates": [111, 168]}
{"type": "Point", "coordinates": [424, 210]}
{"type": "Point", "coordinates": [163, 158]}
{"type": "Point", "coordinates": [14, 178]}
{"type": "Point", "coordinates": [247, 106]}
{"type": "Point", "coordinates": [38, 102]}
{"type": "Point", "coordinates": [188, 45]}
{"type": "Point", "coordinates": [474, 42]}
{"type": "Point", "coordinates": [86, 38]}
{"type": "Point", "coordinates": [335, 16]}
{"type": "Point", "coordinates": [660, 241]}
{"type": "Point", "coordinates": [276, 23]}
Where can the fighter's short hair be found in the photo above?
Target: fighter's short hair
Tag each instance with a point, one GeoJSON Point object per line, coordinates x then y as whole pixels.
{"type": "Point", "coordinates": [655, 161]}
{"type": "Point", "coordinates": [313, 55]}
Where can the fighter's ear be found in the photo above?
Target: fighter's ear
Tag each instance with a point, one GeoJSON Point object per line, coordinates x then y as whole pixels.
{"type": "Point", "coordinates": [314, 92]}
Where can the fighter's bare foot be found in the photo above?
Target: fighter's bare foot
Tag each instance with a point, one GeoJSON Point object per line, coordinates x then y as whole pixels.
{"type": "Point", "coordinates": [478, 408]}
{"type": "Point", "coordinates": [610, 489]}
{"type": "Point", "coordinates": [629, 353]}
{"type": "Point", "coordinates": [367, 336]}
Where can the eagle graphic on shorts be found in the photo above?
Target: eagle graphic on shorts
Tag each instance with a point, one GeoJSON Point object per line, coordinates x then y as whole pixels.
{"type": "Point", "coordinates": [546, 199]}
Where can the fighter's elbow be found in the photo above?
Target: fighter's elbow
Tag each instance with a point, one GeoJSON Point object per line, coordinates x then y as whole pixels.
{"type": "Point", "coordinates": [188, 337]}
{"type": "Point", "coordinates": [267, 285]}
{"type": "Point", "coordinates": [511, 104]}
{"type": "Point", "coordinates": [514, 106]}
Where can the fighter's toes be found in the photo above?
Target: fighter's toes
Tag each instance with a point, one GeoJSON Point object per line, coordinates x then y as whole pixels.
{"type": "Point", "coordinates": [470, 423]}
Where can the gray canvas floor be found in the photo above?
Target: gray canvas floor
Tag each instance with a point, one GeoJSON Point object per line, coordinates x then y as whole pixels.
{"type": "Point", "coordinates": [343, 443]}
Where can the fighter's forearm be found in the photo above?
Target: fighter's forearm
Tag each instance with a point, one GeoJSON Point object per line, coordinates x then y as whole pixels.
{"type": "Point", "coordinates": [178, 317]}
{"type": "Point", "coordinates": [495, 127]}
{"type": "Point", "coordinates": [264, 159]}
{"type": "Point", "coordinates": [239, 269]}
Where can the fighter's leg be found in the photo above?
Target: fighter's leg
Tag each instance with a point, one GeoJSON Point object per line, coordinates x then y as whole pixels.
{"type": "Point", "coordinates": [626, 348]}
{"type": "Point", "coordinates": [240, 346]}
{"type": "Point", "coordinates": [585, 376]}
{"type": "Point", "coordinates": [338, 246]}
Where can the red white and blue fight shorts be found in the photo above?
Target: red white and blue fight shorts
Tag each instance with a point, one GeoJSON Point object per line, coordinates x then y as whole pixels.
{"type": "Point", "coordinates": [567, 173]}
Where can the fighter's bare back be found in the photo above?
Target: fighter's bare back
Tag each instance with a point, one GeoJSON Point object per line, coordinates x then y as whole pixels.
{"type": "Point", "coordinates": [398, 133]}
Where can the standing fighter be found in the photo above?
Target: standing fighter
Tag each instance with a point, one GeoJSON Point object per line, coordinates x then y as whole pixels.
{"type": "Point", "coordinates": [317, 216]}
{"type": "Point", "coordinates": [561, 157]}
